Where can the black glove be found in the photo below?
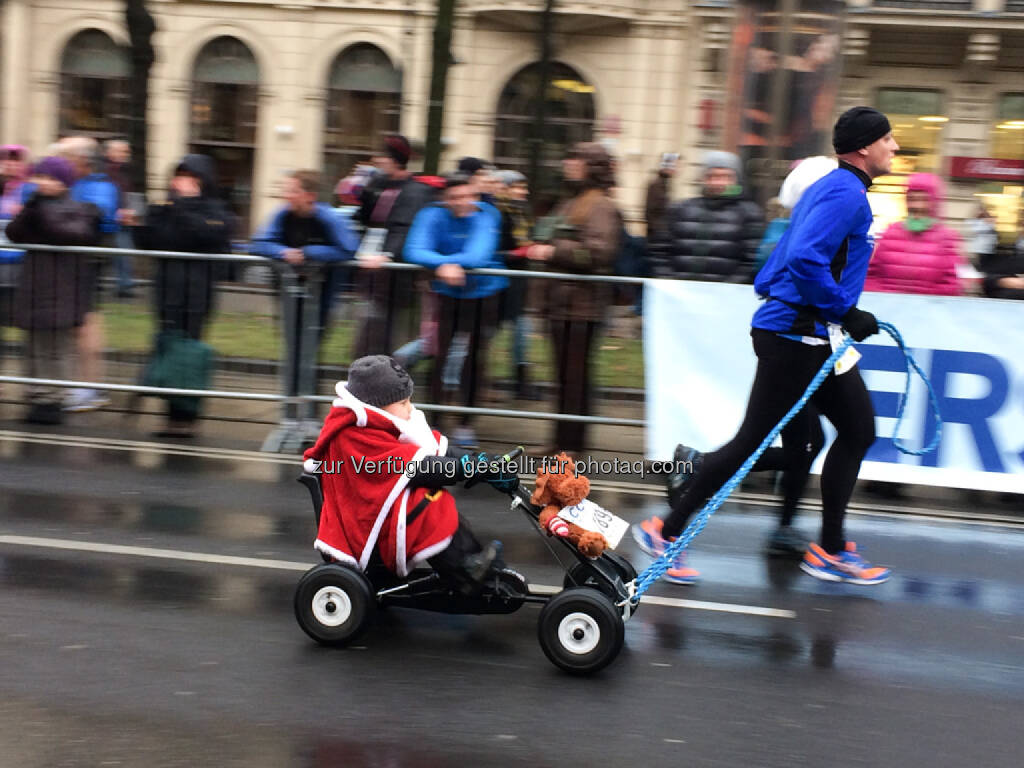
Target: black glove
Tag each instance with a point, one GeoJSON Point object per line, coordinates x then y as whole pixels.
{"type": "Point", "coordinates": [860, 324]}
{"type": "Point", "coordinates": [492, 470]}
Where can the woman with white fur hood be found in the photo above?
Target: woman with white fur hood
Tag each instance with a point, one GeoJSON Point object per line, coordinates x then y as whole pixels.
{"type": "Point", "coordinates": [804, 174]}
{"type": "Point", "coordinates": [383, 473]}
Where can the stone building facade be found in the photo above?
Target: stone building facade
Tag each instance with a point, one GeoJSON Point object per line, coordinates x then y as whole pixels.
{"type": "Point", "coordinates": [272, 86]}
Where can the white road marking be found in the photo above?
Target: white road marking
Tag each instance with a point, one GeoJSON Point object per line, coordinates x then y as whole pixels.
{"type": "Point", "coordinates": [162, 554]}
{"type": "Point", "coordinates": [288, 565]}
{"type": "Point", "coordinates": [949, 517]}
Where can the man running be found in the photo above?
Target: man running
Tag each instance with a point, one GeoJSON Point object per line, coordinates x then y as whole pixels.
{"type": "Point", "coordinates": [811, 282]}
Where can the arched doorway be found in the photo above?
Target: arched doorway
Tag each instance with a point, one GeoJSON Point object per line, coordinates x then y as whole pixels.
{"type": "Point", "coordinates": [569, 119]}
{"type": "Point", "coordinates": [223, 119]}
{"type": "Point", "coordinates": [364, 102]}
{"type": "Point", "coordinates": [94, 73]}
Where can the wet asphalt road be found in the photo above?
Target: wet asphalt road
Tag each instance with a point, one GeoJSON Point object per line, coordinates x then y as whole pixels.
{"type": "Point", "coordinates": [141, 660]}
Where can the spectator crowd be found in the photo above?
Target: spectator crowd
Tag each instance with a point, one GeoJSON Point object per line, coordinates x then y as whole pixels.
{"type": "Point", "coordinates": [474, 217]}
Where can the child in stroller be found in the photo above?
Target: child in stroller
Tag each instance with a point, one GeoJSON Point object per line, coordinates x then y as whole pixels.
{"type": "Point", "coordinates": [384, 474]}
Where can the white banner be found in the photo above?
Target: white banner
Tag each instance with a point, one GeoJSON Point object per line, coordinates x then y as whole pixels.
{"type": "Point", "coordinates": [700, 365]}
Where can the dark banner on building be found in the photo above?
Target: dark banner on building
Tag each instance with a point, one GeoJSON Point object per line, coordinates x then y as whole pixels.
{"type": "Point", "coordinates": [784, 74]}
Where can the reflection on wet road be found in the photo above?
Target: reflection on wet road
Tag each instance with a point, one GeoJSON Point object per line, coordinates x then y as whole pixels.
{"type": "Point", "coordinates": [116, 654]}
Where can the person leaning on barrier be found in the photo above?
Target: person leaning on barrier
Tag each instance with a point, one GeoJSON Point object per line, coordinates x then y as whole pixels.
{"type": "Point", "coordinates": [304, 231]}
{"type": "Point", "coordinates": [450, 237]}
{"type": "Point", "coordinates": [52, 297]}
{"type": "Point", "coordinates": [193, 220]}
{"type": "Point", "coordinates": [585, 237]}
{"type": "Point", "coordinates": [390, 202]}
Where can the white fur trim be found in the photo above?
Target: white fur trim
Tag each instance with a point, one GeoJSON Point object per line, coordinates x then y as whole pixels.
{"type": "Point", "coordinates": [347, 400]}
{"type": "Point", "coordinates": [400, 553]}
{"type": "Point", "coordinates": [310, 466]}
{"type": "Point", "coordinates": [424, 554]}
{"type": "Point", "coordinates": [806, 173]}
{"type": "Point", "coordinates": [396, 489]}
{"type": "Point", "coordinates": [337, 554]}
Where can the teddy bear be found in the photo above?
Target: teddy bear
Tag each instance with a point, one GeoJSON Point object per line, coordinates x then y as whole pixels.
{"type": "Point", "coordinates": [559, 486]}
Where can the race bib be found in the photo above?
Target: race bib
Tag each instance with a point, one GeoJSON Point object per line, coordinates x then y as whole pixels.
{"type": "Point", "coordinates": [850, 357]}
{"type": "Point", "coordinates": [591, 517]}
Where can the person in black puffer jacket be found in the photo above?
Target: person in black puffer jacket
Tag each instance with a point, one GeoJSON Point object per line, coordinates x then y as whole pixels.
{"type": "Point", "coordinates": [714, 236]}
{"type": "Point", "coordinates": [192, 220]}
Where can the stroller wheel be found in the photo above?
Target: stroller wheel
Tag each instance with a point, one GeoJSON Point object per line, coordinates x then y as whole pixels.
{"type": "Point", "coordinates": [333, 604]}
{"type": "Point", "coordinates": [580, 575]}
{"type": "Point", "coordinates": [580, 630]}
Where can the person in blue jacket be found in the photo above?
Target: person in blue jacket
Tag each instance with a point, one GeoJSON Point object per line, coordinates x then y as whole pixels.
{"type": "Point", "coordinates": [303, 232]}
{"type": "Point", "coordinates": [450, 237]}
{"type": "Point", "coordinates": [811, 283]}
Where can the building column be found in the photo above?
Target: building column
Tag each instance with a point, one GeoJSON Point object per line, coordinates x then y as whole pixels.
{"type": "Point", "coordinates": [14, 71]}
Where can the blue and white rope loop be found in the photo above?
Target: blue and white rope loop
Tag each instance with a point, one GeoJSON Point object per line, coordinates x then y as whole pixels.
{"type": "Point", "coordinates": [656, 569]}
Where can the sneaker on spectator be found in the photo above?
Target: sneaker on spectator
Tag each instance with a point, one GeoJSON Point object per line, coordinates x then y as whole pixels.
{"type": "Point", "coordinates": [847, 566]}
{"type": "Point", "coordinates": [81, 400]}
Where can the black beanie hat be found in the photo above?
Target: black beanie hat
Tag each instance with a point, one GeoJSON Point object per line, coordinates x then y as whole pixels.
{"type": "Point", "coordinates": [858, 127]}
{"type": "Point", "coordinates": [470, 165]}
{"type": "Point", "coordinates": [378, 380]}
{"type": "Point", "coordinates": [397, 148]}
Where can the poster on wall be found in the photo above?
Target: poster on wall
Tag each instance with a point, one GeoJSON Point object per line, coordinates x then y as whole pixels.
{"type": "Point", "coordinates": [784, 71]}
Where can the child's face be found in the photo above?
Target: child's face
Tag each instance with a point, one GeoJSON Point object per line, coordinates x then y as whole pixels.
{"type": "Point", "coordinates": [402, 409]}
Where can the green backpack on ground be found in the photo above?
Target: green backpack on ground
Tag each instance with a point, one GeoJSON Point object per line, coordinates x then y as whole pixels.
{"type": "Point", "coordinates": [180, 362]}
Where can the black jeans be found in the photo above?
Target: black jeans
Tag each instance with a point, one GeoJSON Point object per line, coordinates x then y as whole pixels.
{"type": "Point", "coordinates": [450, 562]}
{"type": "Point", "coordinates": [784, 369]}
{"type": "Point", "coordinates": [473, 322]}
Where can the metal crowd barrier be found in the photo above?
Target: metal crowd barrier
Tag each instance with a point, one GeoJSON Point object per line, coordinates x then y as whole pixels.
{"type": "Point", "coordinates": [300, 289]}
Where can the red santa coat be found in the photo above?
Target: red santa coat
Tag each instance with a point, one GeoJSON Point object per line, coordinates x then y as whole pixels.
{"type": "Point", "coordinates": [364, 453]}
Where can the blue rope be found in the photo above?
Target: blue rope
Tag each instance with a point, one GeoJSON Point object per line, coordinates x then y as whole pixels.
{"type": "Point", "coordinates": [656, 569]}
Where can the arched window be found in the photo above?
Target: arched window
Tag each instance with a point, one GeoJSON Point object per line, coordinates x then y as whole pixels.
{"type": "Point", "coordinates": [364, 102]}
{"type": "Point", "coordinates": [223, 118]}
{"type": "Point", "coordinates": [569, 119]}
{"type": "Point", "coordinates": [94, 73]}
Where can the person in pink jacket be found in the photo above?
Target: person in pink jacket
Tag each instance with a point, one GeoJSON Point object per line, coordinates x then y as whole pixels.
{"type": "Point", "coordinates": [919, 254]}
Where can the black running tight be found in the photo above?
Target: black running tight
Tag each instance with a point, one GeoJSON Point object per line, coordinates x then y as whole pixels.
{"type": "Point", "coordinates": [784, 369]}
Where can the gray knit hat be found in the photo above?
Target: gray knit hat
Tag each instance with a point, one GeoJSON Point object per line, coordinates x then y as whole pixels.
{"type": "Point", "coordinates": [378, 380]}
{"type": "Point", "coordinates": [719, 159]}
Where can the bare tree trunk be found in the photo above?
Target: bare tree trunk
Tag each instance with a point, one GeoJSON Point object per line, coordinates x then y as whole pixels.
{"type": "Point", "coordinates": [141, 27]}
{"type": "Point", "coordinates": [438, 83]}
